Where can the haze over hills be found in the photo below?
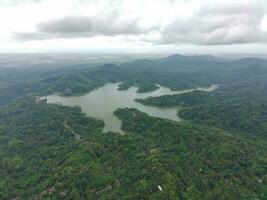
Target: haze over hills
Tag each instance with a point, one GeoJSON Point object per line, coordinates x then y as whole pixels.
{"type": "Point", "coordinates": [61, 59]}
{"type": "Point", "coordinates": [66, 59]}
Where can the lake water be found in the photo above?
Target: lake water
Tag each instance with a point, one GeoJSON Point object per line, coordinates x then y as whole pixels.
{"type": "Point", "coordinates": [102, 102]}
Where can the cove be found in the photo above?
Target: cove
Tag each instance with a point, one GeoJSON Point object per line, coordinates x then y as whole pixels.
{"type": "Point", "coordinates": [102, 102]}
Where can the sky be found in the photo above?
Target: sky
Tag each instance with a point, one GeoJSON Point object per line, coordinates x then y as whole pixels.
{"type": "Point", "coordinates": [134, 26]}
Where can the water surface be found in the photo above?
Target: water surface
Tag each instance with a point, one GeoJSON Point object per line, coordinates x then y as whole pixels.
{"type": "Point", "coordinates": [102, 102]}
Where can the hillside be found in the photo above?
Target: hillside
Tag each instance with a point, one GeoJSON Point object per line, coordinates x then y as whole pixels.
{"type": "Point", "coordinates": [218, 151]}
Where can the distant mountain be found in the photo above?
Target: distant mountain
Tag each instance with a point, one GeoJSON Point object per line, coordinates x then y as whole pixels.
{"type": "Point", "coordinates": [249, 61]}
{"type": "Point", "coordinates": [187, 62]}
{"type": "Point", "coordinates": [180, 57]}
{"type": "Point", "coordinates": [183, 63]}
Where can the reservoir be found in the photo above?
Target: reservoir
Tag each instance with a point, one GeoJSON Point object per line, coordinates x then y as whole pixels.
{"type": "Point", "coordinates": [102, 102]}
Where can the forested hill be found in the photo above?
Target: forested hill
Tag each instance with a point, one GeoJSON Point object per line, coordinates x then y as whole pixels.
{"type": "Point", "coordinates": [176, 72]}
{"type": "Point", "coordinates": [218, 151]}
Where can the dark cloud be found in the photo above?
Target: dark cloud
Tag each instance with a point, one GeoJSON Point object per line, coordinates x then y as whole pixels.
{"type": "Point", "coordinates": [218, 24]}
{"type": "Point", "coordinates": [81, 26]}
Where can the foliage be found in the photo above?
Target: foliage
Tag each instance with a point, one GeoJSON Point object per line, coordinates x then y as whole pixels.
{"type": "Point", "coordinates": [56, 152]}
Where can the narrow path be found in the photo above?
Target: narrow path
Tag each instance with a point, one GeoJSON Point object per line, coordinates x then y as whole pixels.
{"type": "Point", "coordinates": [76, 135]}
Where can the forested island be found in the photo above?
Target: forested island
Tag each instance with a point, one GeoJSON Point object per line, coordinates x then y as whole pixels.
{"type": "Point", "coordinates": [218, 151]}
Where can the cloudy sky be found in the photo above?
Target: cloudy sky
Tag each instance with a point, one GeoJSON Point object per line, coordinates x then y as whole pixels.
{"type": "Point", "coordinates": [134, 26]}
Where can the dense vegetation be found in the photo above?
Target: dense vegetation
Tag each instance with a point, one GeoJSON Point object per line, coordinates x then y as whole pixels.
{"type": "Point", "coordinates": [43, 157]}
{"type": "Point", "coordinates": [56, 152]}
{"type": "Point", "coordinates": [35, 140]}
{"type": "Point", "coordinates": [245, 116]}
{"type": "Point", "coordinates": [194, 161]}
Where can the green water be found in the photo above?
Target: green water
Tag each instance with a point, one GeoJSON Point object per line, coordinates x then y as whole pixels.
{"type": "Point", "coordinates": [101, 103]}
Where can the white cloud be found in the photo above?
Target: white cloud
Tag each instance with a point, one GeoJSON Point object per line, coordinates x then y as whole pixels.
{"type": "Point", "coordinates": [17, 2]}
{"type": "Point", "coordinates": [221, 23]}
{"type": "Point", "coordinates": [149, 24]}
{"type": "Point", "coordinates": [263, 24]}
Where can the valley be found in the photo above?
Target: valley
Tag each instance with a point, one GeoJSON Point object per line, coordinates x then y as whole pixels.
{"type": "Point", "coordinates": [102, 102]}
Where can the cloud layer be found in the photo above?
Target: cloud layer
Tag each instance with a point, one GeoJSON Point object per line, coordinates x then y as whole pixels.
{"type": "Point", "coordinates": [219, 24]}
{"type": "Point", "coordinates": [82, 26]}
{"type": "Point", "coordinates": [176, 22]}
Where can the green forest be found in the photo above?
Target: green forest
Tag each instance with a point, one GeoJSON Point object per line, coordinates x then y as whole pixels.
{"type": "Point", "coordinates": [218, 151]}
